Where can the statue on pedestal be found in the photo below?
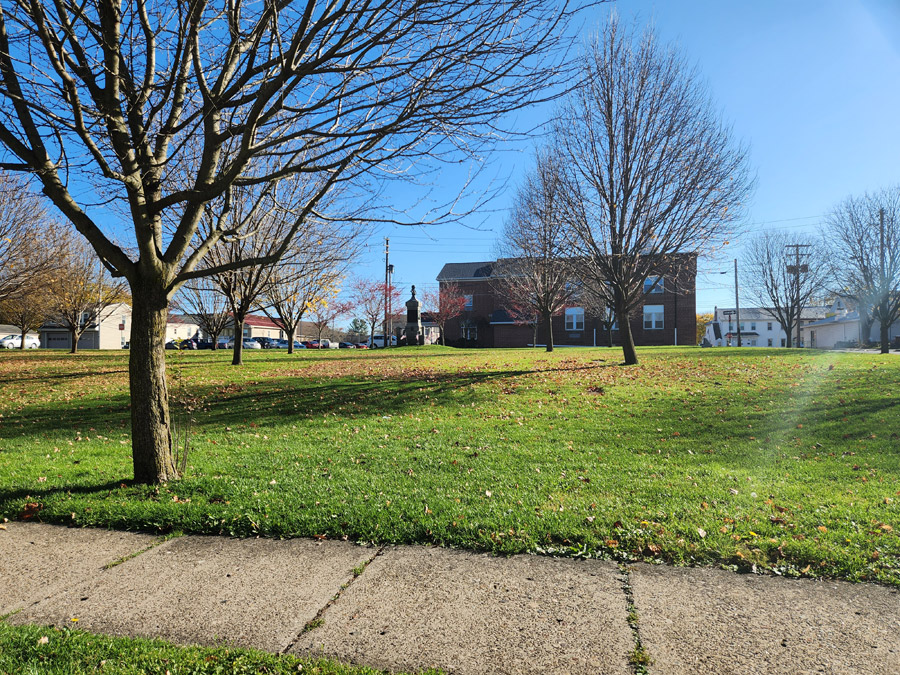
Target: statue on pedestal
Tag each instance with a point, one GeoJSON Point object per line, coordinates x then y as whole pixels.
{"type": "Point", "coordinates": [413, 332]}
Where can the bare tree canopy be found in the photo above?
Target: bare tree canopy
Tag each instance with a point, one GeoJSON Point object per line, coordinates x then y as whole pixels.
{"type": "Point", "coordinates": [27, 249]}
{"type": "Point", "coordinates": [534, 270]}
{"type": "Point", "coordinates": [864, 242]}
{"type": "Point", "coordinates": [167, 107]}
{"type": "Point", "coordinates": [782, 272]}
{"type": "Point", "coordinates": [652, 171]}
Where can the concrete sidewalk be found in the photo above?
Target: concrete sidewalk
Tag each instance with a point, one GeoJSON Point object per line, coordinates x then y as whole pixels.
{"type": "Point", "coordinates": [409, 608]}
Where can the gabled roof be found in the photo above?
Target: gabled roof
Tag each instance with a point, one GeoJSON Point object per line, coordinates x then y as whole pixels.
{"type": "Point", "coordinates": [461, 271]}
{"type": "Point", "coordinates": [261, 322]}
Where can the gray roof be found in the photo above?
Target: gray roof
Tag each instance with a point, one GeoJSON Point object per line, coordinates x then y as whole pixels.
{"type": "Point", "coordinates": [850, 317]}
{"type": "Point", "coordinates": [470, 270]}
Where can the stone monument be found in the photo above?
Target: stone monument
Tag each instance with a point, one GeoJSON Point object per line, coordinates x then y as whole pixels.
{"type": "Point", "coordinates": [413, 331]}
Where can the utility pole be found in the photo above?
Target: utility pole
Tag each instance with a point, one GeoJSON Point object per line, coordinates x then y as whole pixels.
{"type": "Point", "coordinates": [737, 304]}
{"type": "Point", "coordinates": [796, 269]}
{"type": "Point", "coordinates": [387, 268]}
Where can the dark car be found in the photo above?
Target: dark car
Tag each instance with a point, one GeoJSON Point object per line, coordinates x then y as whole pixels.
{"type": "Point", "coordinates": [267, 343]}
{"type": "Point", "coordinates": [205, 344]}
{"type": "Point", "coordinates": [347, 345]}
{"type": "Point", "coordinates": [171, 345]}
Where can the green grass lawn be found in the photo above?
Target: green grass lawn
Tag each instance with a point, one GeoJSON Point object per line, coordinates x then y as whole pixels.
{"type": "Point", "coordinates": [50, 651]}
{"type": "Point", "coordinates": [779, 459]}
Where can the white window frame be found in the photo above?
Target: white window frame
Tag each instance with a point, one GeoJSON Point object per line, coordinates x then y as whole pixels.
{"type": "Point", "coordinates": [649, 288]}
{"type": "Point", "coordinates": [575, 318]}
{"type": "Point", "coordinates": [768, 325]}
{"type": "Point", "coordinates": [657, 315]}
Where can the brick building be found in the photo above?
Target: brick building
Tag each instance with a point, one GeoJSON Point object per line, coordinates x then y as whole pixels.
{"type": "Point", "coordinates": [668, 315]}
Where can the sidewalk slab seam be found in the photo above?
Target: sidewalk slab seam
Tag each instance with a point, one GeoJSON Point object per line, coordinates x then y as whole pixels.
{"type": "Point", "coordinates": [468, 613]}
{"type": "Point", "coordinates": [207, 590]}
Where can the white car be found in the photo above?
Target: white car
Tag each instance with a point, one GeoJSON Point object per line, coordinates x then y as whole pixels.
{"type": "Point", "coordinates": [377, 341]}
{"type": "Point", "coordinates": [247, 343]}
{"type": "Point", "coordinates": [15, 341]}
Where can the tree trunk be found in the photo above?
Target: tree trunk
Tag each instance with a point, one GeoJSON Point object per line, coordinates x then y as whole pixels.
{"type": "Point", "coordinates": [22, 344]}
{"type": "Point", "coordinates": [238, 352]}
{"type": "Point", "coordinates": [549, 320]}
{"type": "Point", "coordinates": [789, 342]}
{"type": "Point", "coordinates": [151, 434]}
{"type": "Point", "coordinates": [628, 350]}
{"type": "Point", "coordinates": [885, 337]}
{"type": "Point", "coordinates": [290, 339]}
{"type": "Point", "coordinates": [609, 335]}
{"type": "Point", "coordinates": [74, 334]}
{"type": "Point", "coordinates": [534, 340]}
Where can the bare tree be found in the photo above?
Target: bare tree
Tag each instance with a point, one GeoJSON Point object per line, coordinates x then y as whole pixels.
{"type": "Point", "coordinates": [27, 247]}
{"type": "Point", "coordinates": [533, 269]}
{"type": "Point", "coordinates": [207, 305]}
{"type": "Point", "coordinates": [652, 173]}
{"type": "Point", "coordinates": [160, 110]}
{"type": "Point", "coordinates": [82, 290]}
{"type": "Point", "coordinates": [316, 260]}
{"type": "Point", "coordinates": [369, 298]}
{"type": "Point", "coordinates": [864, 243]}
{"type": "Point", "coordinates": [444, 305]}
{"type": "Point", "coordinates": [294, 292]}
{"type": "Point", "coordinates": [782, 272]}
{"type": "Point", "coordinates": [326, 311]}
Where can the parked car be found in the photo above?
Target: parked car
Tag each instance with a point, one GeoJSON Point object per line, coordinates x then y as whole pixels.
{"type": "Point", "coordinates": [377, 341]}
{"type": "Point", "coordinates": [15, 341]}
{"type": "Point", "coordinates": [171, 344]}
{"type": "Point", "coordinates": [312, 344]}
{"type": "Point", "coordinates": [328, 344]}
{"type": "Point", "coordinates": [205, 344]}
{"type": "Point", "coordinates": [299, 345]}
{"type": "Point", "coordinates": [248, 343]}
{"type": "Point", "coordinates": [362, 345]}
{"type": "Point", "coordinates": [266, 342]}
{"type": "Point", "coordinates": [226, 343]}
{"type": "Point", "coordinates": [127, 345]}
{"type": "Point", "coordinates": [347, 345]}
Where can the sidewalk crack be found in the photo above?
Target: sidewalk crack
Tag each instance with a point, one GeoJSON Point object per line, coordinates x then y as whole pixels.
{"type": "Point", "coordinates": [318, 619]}
{"type": "Point", "coordinates": [639, 658]}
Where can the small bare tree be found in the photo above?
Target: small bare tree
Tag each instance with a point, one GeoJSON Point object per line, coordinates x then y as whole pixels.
{"type": "Point", "coordinates": [533, 268]}
{"type": "Point", "coordinates": [782, 272]}
{"type": "Point", "coordinates": [28, 309]}
{"type": "Point", "coordinates": [82, 290]}
{"type": "Point", "coordinates": [864, 243]}
{"type": "Point", "coordinates": [159, 110]}
{"type": "Point", "coordinates": [652, 174]}
{"type": "Point", "coordinates": [207, 305]}
{"type": "Point", "coordinates": [444, 305]}
{"type": "Point", "coordinates": [369, 298]}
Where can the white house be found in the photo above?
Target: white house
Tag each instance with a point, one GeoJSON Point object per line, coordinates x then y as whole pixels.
{"type": "Point", "coordinates": [112, 331]}
{"type": "Point", "coordinates": [841, 328]}
{"type": "Point", "coordinates": [759, 327]}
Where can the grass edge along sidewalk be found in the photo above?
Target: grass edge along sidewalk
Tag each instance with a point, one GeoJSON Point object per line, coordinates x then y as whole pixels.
{"type": "Point", "coordinates": [53, 651]}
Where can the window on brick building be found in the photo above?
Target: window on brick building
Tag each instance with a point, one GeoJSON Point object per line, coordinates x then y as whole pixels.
{"type": "Point", "coordinates": [653, 317]}
{"type": "Point", "coordinates": [575, 318]}
{"type": "Point", "coordinates": [649, 286]}
{"type": "Point", "coordinates": [469, 299]}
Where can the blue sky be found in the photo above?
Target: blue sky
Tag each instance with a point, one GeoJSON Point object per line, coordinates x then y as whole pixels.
{"type": "Point", "coordinates": [813, 86]}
